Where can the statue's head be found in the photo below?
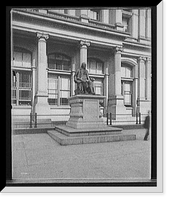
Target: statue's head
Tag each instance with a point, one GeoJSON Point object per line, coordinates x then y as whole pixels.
{"type": "Point", "coordinates": [83, 65]}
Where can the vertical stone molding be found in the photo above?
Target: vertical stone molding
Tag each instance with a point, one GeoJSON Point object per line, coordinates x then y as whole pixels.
{"type": "Point", "coordinates": [72, 79]}
{"type": "Point", "coordinates": [106, 88]}
{"type": "Point", "coordinates": [117, 74]}
{"type": "Point", "coordinates": [148, 78]}
{"type": "Point", "coordinates": [84, 44]}
{"type": "Point", "coordinates": [105, 16]}
{"type": "Point", "coordinates": [141, 78]}
{"type": "Point", "coordinates": [42, 106]}
{"type": "Point", "coordinates": [148, 23]}
{"type": "Point", "coordinates": [135, 24]}
{"type": "Point", "coordinates": [141, 21]}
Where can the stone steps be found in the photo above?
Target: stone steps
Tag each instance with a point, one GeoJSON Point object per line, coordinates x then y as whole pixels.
{"type": "Point", "coordinates": [88, 138]}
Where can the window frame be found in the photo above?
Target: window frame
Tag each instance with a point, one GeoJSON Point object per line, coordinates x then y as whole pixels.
{"type": "Point", "coordinates": [98, 14]}
{"type": "Point", "coordinates": [97, 61]}
{"type": "Point", "coordinates": [20, 88]}
{"type": "Point", "coordinates": [22, 51]}
{"type": "Point", "coordinates": [127, 79]}
{"type": "Point", "coordinates": [59, 76]}
{"type": "Point", "coordinates": [62, 61]}
{"type": "Point", "coordinates": [97, 76]}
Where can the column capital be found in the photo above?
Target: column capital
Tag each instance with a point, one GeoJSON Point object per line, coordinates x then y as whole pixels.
{"type": "Point", "coordinates": [118, 49]}
{"type": "Point", "coordinates": [42, 35]}
{"type": "Point", "coordinates": [141, 58]}
{"type": "Point", "coordinates": [85, 43]}
{"type": "Point", "coordinates": [148, 59]}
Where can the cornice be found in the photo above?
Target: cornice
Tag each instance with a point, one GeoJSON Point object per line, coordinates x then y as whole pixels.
{"type": "Point", "coordinates": [79, 24]}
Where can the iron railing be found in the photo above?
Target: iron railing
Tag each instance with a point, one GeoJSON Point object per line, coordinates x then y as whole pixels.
{"type": "Point", "coordinates": [112, 118]}
{"type": "Point", "coordinates": [35, 120]}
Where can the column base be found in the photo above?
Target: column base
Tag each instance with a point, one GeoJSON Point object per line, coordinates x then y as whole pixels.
{"type": "Point", "coordinates": [116, 107]}
{"type": "Point", "coordinates": [42, 107]}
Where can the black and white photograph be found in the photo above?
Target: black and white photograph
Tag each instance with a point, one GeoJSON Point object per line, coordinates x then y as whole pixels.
{"type": "Point", "coordinates": [83, 97]}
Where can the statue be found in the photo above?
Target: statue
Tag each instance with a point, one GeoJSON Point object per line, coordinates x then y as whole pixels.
{"type": "Point", "coordinates": [83, 81]}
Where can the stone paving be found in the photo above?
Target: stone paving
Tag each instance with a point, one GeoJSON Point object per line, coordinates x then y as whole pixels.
{"type": "Point", "coordinates": [37, 157]}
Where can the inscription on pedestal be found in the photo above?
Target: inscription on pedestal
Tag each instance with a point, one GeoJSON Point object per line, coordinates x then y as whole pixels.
{"type": "Point", "coordinates": [90, 109]}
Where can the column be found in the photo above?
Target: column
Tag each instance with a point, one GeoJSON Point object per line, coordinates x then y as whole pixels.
{"type": "Point", "coordinates": [135, 24]}
{"type": "Point", "coordinates": [148, 78]}
{"type": "Point", "coordinates": [116, 100]}
{"type": "Point", "coordinates": [83, 51]}
{"type": "Point", "coordinates": [42, 106]}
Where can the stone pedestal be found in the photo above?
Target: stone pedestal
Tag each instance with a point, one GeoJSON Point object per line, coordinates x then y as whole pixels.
{"type": "Point", "coordinates": [85, 112]}
{"type": "Point", "coordinates": [85, 125]}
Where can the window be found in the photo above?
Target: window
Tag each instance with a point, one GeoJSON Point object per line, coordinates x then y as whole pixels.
{"type": "Point", "coordinates": [126, 72]}
{"type": "Point", "coordinates": [21, 88]}
{"type": "Point", "coordinates": [59, 62]}
{"type": "Point", "coordinates": [125, 22]}
{"type": "Point", "coordinates": [22, 58]}
{"type": "Point", "coordinates": [53, 90]}
{"type": "Point", "coordinates": [98, 86]}
{"type": "Point", "coordinates": [126, 87]}
{"type": "Point", "coordinates": [126, 84]}
{"type": "Point", "coordinates": [64, 91]}
{"type": "Point", "coordinates": [58, 89]}
{"type": "Point", "coordinates": [94, 14]}
{"type": "Point", "coordinates": [95, 66]}
{"type": "Point", "coordinates": [21, 93]}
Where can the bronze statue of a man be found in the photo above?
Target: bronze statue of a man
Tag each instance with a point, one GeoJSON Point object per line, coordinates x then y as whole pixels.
{"type": "Point", "coordinates": [84, 82]}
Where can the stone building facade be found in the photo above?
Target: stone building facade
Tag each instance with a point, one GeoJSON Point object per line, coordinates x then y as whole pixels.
{"type": "Point", "coordinates": [48, 45]}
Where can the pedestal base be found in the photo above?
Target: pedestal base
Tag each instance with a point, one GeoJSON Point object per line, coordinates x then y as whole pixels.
{"type": "Point", "coordinates": [65, 135]}
{"type": "Point", "coordinates": [85, 112]}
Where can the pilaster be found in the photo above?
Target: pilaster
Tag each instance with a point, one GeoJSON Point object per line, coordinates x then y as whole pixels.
{"type": "Point", "coordinates": [135, 24]}
{"type": "Point", "coordinates": [141, 78]}
{"type": "Point", "coordinates": [148, 78]}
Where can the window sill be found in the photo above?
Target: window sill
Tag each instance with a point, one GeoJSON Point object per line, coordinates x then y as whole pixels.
{"type": "Point", "coordinates": [20, 107]}
{"type": "Point", "coordinates": [59, 107]}
{"type": "Point", "coordinates": [129, 107]}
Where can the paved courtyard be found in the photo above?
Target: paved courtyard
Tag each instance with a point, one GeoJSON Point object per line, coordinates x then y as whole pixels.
{"type": "Point", "coordinates": [37, 157]}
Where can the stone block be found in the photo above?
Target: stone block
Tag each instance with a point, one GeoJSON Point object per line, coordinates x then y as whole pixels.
{"type": "Point", "coordinates": [85, 111]}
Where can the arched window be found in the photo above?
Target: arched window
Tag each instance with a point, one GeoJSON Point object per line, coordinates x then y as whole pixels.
{"type": "Point", "coordinates": [59, 62]}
